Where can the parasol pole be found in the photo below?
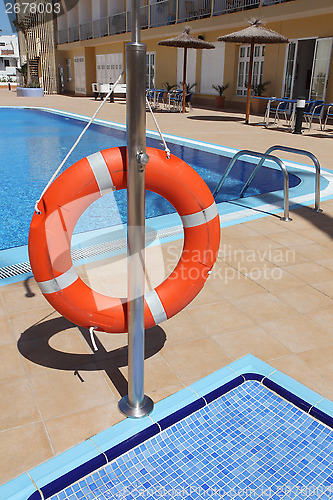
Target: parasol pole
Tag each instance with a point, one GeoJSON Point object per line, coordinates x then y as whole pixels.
{"type": "Point", "coordinates": [249, 81]}
{"type": "Point", "coordinates": [184, 79]}
{"type": "Point", "coordinates": [136, 404]}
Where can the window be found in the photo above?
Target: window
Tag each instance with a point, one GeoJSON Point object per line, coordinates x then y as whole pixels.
{"type": "Point", "coordinates": [150, 73]}
{"type": "Point", "coordinates": [69, 70]}
{"type": "Point", "coordinates": [7, 63]}
{"type": "Point", "coordinates": [2, 44]}
{"type": "Point", "coordinates": [243, 67]}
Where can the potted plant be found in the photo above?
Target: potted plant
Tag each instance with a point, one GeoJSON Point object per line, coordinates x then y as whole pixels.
{"type": "Point", "coordinates": [259, 105]}
{"type": "Point", "coordinates": [168, 87]}
{"type": "Point", "coordinates": [220, 98]}
{"type": "Point", "coordinates": [188, 87]}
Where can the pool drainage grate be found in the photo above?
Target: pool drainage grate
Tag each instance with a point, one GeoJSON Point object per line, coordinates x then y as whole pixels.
{"type": "Point", "coordinates": [91, 251]}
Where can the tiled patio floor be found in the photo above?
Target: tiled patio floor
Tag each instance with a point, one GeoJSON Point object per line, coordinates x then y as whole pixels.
{"type": "Point", "coordinates": [270, 294]}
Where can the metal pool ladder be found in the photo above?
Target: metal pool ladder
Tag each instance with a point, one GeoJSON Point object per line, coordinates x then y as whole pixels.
{"type": "Point", "coordinates": [267, 155]}
{"type": "Point", "coordinates": [296, 151]}
{"type": "Point", "coordinates": [263, 157]}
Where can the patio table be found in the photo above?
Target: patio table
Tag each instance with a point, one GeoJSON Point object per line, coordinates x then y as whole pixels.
{"type": "Point", "coordinates": [269, 100]}
{"type": "Point", "coordinates": [154, 95]}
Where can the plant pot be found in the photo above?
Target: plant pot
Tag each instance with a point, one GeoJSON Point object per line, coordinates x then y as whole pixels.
{"type": "Point", "coordinates": [258, 106]}
{"type": "Point", "coordinates": [220, 100]}
{"type": "Point", "coordinates": [30, 92]}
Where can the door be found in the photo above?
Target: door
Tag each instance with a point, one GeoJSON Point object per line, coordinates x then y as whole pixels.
{"type": "Point", "coordinates": [80, 75]}
{"type": "Point", "coordinates": [150, 70]}
{"type": "Point", "coordinates": [243, 67]}
{"type": "Point", "coordinates": [320, 69]}
{"type": "Point", "coordinates": [289, 69]}
{"type": "Point", "coordinates": [191, 66]}
{"type": "Point", "coordinates": [99, 74]}
{"type": "Point", "coordinates": [212, 68]}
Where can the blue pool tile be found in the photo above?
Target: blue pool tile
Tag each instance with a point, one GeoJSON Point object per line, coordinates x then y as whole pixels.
{"type": "Point", "coordinates": [248, 440]}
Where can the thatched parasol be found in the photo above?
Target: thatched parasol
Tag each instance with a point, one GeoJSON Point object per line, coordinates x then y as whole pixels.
{"type": "Point", "coordinates": [186, 41]}
{"type": "Point", "coordinates": [256, 33]}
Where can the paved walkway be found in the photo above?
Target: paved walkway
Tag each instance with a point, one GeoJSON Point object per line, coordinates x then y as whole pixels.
{"type": "Point", "coordinates": [270, 294]}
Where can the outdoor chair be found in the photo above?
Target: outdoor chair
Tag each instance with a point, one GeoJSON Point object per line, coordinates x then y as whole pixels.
{"type": "Point", "coordinates": [159, 97]}
{"type": "Point", "coordinates": [315, 110]}
{"type": "Point", "coordinates": [175, 99]}
{"type": "Point", "coordinates": [329, 114]}
{"type": "Point", "coordinates": [150, 94]}
{"type": "Point", "coordinates": [188, 99]}
{"type": "Point", "coordinates": [283, 109]}
{"type": "Point", "coordinates": [277, 107]}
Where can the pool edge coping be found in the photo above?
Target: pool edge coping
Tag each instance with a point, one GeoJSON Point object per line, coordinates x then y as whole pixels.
{"type": "Point", "coordinates": [100, 449]}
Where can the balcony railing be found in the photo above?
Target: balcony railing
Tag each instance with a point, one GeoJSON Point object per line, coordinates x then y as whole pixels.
{"type": "Point", "coordinates": [162, 13]}
{"type": "Point", "coordinates": [194, 9]}
{"type": "Point", "coordinates": [117, 24]}
{"type": "Point", "coordinates": [86, 31]}
{"type": "Point", "coordinates": [101, 27]}
{"type": "Point", "coordinates": [74, 34]}
{"type": "Point", "coordinates": [159, 14]}
{"type": "Point", "coordinates": [226, 6]}
{"type": "Point", "coordinates": [63, 36]}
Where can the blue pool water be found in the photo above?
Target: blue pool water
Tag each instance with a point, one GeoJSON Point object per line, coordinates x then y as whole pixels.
{"type": "Point", "coordinates": [247, 444]}
{"type": "Point", "coordinates": [34, 142]}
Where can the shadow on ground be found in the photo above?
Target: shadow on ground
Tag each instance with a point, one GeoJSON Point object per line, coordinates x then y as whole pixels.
{"type": "Point", "coordinates": [34, 345]}
{"type": "Point", "coordinates": [220, 118]}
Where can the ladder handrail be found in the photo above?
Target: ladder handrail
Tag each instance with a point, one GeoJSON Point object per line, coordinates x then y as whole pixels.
{"type": "Point", "coordinates": [289, 149]}
{"type": "Point", "coordinates": [263, 156]}
{"type": "Point", "coordinates": [316, 164]}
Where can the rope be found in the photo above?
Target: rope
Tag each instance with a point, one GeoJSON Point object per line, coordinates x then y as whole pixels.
{"type": "Point", "coordinates": [166, 149]}
{"type": "Point", "coordinates": [77, 142]}
{"type": "Point", "coordinates": [92, 338]}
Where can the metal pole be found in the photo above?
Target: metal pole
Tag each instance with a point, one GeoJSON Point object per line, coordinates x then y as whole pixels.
{"type": "Point", "coordinates": [249, 83]}
{"type": "Point", "coordinates": [300, 106]}
{"type": "Point", "coordinates": [136, 404]}
{"type": "Point", "coordinates": [184, 79]}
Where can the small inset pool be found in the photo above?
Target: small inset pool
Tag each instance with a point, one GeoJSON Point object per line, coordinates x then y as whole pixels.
{"type": "Point", "coordinates": [246, 431]}
{"type": "Point", "coordinates": [246, 444]}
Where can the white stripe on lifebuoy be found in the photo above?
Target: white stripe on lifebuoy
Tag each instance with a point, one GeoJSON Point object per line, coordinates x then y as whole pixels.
{"type": "Point", "coordinates": [56, 284]}
{"type": "Point", "coordinates": [101, 173]}
{"type": "Point", "coordinates": [155, 306]}
{"type": "Point", "coordinates": [201, 217]}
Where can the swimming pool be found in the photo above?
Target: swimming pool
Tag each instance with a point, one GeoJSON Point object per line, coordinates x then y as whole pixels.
{"type": "Point", "coordinates": [39, 141]}
{"type": "Point", "coordinates": [246, 431]}
{"type": "Point", "coordinates": [100, 239]}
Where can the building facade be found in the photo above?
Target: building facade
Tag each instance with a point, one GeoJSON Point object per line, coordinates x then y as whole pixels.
{"type": "Point", "coordinates": [9, 57]}
{"type": "Point", "coordinates": [91, 39]}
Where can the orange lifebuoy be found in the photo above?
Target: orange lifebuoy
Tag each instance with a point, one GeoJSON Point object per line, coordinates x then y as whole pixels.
{"type": "Point", "coordinates": [77, 188]}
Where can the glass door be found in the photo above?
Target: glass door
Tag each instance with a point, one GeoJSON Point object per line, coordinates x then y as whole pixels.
{"type": "Point", "coordinates": [290, 68]}
{"type": "Point", "coordinates": [150, 70]}
{"type": "Point", "coordinates": [320, 68]}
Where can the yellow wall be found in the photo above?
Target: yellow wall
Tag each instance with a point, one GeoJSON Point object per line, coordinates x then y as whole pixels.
{"type": "Point", "coordinates": [90, 61]}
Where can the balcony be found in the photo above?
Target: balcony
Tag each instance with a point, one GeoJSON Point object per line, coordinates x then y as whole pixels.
{"type": "Point", "coordinates": [161, 13]}
{"type": "Point", "coordinates": [117, 24]}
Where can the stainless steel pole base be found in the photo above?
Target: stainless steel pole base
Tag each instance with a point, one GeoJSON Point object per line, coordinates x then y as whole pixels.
{"type": "Point", "coordinates": [136, 411]}
{"type": "Point", "coordinates": [285, 219]}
